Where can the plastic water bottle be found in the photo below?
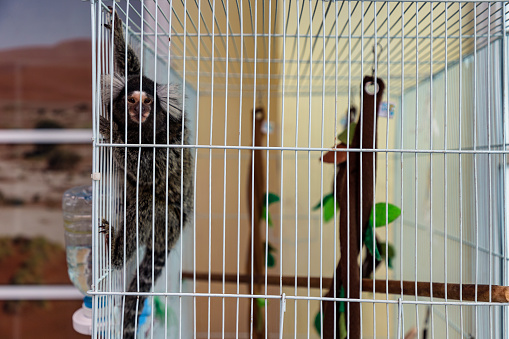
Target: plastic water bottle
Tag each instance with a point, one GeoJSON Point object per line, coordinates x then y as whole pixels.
{"type": "Point", "coordinates": [77, 210]}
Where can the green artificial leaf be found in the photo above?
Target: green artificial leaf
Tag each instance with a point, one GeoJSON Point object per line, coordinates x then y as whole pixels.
{"type": "Point", "coordinates": [271, 248]}
{"type": "Point", "coordinates": [342, 322]}
{"type": "Point", "coordinates": [271, 261]}
{"type": "Point", "coordinates": [159, 309]}
{"type": "Point", "coordinates": [368, 241]}
{"type": "Point", "coordinates": [342, 326]}
{"type": "Point", "coordinates": [260, 302]}
{"type": "Point", "coordinates": [391, 253]}
{"type": "Point", "coordinates": [328, 207]}
{"type": "Point", "coordinates": [272, 198]}
{"type": "Point", "coordinates": [344, 135]}
{"type": "Point", "coordinates": [325, 198]}
{"type": "Point", "coordinates": [318, 323]}
{"type": "Point", "coordinates": [342, 303]}
{"type": "Point", "coordinates": [328, 210]}
{"type": "Point", "coordinates": [266, 215]}
{"type": "Point", "coordinates": [393, 212]}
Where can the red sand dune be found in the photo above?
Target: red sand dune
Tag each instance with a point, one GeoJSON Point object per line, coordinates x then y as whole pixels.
{"type": "Point", "coordinates": [58, 73]}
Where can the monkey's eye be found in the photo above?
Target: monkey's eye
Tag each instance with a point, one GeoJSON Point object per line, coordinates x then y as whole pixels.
{"type": "Point", "coordinates": [147, 101]}
{"type": "Point", "coordinates": [131, 100]}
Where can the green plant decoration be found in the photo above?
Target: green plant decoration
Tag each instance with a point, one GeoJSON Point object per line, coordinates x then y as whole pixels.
{"type": "Point", "coordinates": [342, 303]}
{"type": "Point", "coordinates": [369, 240]}
{"type": "Point", "coordinates": [328, 207]}
{"type": "Point", "coordinates": [318, 323]}
{"type": "Point", "coordinates": [342, 326]}
{"type": "Point", "coordinates": [260, 302]}
{"type": "Point", "coordinates": [393, 212]}
{"type": "Point", "coordinates": [383, 212]}
{"type": "Point", "coordinates": [272, 198]}
{"type": "Point", "coordinates": [391, 253]}
{"type": "Point", "coordinates": [159, 309]}
{"type": "Point", "coordinates": [267, 201]}
{"type": "Point", "coordinates": [344, 135]}
{"type": "Point", "coordinates": [271, 261]}
{"type": "Point", "coordinates": [266, 216]}
{"type": "Point", "coordinates": [342, 319]}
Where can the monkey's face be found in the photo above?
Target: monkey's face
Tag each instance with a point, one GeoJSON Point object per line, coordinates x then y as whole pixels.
{"type": "Point", "coordinates": [139, 106]}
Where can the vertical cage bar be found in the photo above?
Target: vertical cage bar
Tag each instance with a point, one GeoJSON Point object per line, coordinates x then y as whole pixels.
{"type": "Point", "coordinates": [334, 263]}
{"type": "Point", "coordinates": [505, 105]}
{"type": "Point", "coordinates": [95, 164]}
{"type": "Point", "coordinates": [476, 309]}
{"type": "Point", "coordinates": [321, 162]}
{"type": "Point", "coordinates": [431, 110]}
{"type": "Point", "coordinates": [388, 48]}
{"type": "Point", "coordinates": [490, 182]}
{"type": "Point", "coordinates": [446, 73]}
{"type": "Point", "coordinates": [198, 64]}
{"type": "Point", "coordinates": [296, 163]}
{"type": "Point", "coordinates": [210, 167]}
{"type": "Point", "coordinates": [401, 162]}
{"type": "Point", "coordinates": [416, 168]}
{"type": "Point", "coordinates": [241, 14]}
{"type": "Point", "coordinates": [255, 32]}
{"type": "Point", "coordinates": [460, 96]}
{"type": "Point", "coordinates": [224, 167]}
{"type": "Point", "coordinates": [361, 110]}
{"type": "Point", "coordinates": [310, 98]}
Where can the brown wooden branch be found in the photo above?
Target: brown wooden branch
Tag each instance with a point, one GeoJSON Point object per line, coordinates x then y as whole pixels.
{"type": "Point", "coordinates": [255, 192]}
{"type": "Point", "coordinates": [355, 191]}
{"type": "Point", "coordinates": [499, 294]}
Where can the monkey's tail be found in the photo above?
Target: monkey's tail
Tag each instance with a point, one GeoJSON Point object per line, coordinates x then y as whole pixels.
{"type": "Point", "coordinates": [134, 304]}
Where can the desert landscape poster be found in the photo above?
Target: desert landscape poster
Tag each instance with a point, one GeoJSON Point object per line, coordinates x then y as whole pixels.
{"type": "Point", "coordinates": [45, 83]}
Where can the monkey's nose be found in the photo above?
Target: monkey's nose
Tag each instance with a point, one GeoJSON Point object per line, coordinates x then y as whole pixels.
{"type": "Point", "coordinates": [144, 116]}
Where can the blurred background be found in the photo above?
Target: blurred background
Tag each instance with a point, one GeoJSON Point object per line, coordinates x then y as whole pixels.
{"type": "Point", "coordinates": [45, 83]}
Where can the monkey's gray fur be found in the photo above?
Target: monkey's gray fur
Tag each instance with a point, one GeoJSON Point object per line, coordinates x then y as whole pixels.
{"type": "Point", "coordinates": [156, 199]}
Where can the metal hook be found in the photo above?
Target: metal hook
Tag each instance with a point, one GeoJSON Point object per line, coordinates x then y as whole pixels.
{"type": "Point", "coordinates": [377, 55]}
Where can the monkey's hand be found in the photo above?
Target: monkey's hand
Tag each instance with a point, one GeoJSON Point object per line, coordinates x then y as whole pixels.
{"type": "Point", "coordinates": [104, 228]}
{"type": "Point", "coordinates": [118, 22]}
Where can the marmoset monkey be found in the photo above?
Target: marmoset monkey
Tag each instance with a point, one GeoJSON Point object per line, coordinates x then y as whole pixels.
{"type": "Point", "coordinates": [158, 185]}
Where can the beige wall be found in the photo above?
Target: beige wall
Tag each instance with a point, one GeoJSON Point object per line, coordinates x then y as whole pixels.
{"type": "Point", "coordinates": [309, 247]}
{"type": "Point", "coordinates": [301, 232]}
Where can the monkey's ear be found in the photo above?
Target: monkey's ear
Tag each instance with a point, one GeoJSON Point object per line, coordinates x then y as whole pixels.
{"type": "Point", "coordinates": [168, 97]}
{"type": "Point", "coordinates": [111, 86]}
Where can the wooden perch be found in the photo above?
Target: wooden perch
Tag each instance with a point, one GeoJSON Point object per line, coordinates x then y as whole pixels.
{"type": "Point", "coordinates": [255, 192]}
{"type": "Point", "coordinates": [499, 294]}
{"type": "Point", "coordinates": [355, 203]}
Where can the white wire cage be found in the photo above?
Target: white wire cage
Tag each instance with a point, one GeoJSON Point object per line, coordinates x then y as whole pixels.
{"type": "Point", "coordinates": [266, 87]}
